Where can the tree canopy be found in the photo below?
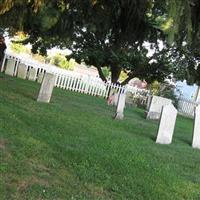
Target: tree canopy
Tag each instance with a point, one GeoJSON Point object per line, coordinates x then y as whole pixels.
{"type": "Point", "coordinates": [112, 33]}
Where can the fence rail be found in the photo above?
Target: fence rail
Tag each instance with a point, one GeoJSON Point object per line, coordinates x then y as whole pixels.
{"type": "Point", "coordinates": [187, 107]}
{"type": "Point", "coordinates": [65, 79]}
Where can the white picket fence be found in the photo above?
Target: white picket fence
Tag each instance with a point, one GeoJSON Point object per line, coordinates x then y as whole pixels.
{"type": "Point", "coordinates": [70, 80]}
{"type": "Point", "coordinates": [187, 107]}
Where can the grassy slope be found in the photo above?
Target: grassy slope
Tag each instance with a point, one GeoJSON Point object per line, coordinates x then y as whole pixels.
{"type": "Point", "coordinates": [73, 149]}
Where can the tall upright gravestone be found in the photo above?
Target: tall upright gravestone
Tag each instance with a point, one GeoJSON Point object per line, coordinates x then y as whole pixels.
{"type": "Point", "coordinates": [167, 124]}
{"type": "Point", "coordinates": [10, 67]}
{"type": "Point", "coordinates": [196, 131]}
{"type": "Point", "coordinates": [120, 106]}
{"type": "Point", "coordinates": [46, 88]}
{"type": "Point", "coordinates": [22, 71]}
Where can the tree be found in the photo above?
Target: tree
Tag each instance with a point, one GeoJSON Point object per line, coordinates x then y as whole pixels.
{"type": "Point", "coordinates": [2, 48]}
{"type": "Point", "coordinates": [100, 32]}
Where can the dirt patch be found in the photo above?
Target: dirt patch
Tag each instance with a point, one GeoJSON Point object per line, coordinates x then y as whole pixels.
{"type": "Point", "coordinates": [23, 185]}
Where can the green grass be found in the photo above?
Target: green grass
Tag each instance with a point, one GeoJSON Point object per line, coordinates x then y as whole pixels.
{"type": "Point", "coordinates": [73, 149]}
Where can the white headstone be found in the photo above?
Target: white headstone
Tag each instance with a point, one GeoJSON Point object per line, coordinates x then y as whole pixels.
{"type": "Point", "coordinates": [22, 71]}
{"type": "Point", "coordinates": [10, 67]}
{"type": "Point", "coordinates": [120, 106]}
{"type": "Point", "coordinates": [46, 88]}
{"type": "Point", "coordinates": [167, 125]}
{"type": "Point", "coordinates": [196, 131]}
{"type": "Point", "coordinates": [155, 107]}
{"type": "Point", "coordinates": [40, 77]}
{"type": "Point", "coordinates": [32, 74]}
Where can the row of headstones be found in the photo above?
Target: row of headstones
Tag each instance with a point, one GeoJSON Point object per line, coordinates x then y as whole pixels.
{"type": "Point", "coordinates": [163, 109]}
{"type": "Point", "coordinates": [47, 79]}
{"type": "Point", "coordinates": [157, 107]}
{"type": "Point", "coordinates": [23, 71]}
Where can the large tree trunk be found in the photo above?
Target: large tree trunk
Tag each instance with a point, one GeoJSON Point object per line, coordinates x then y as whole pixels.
{"type": "Point", "coordinates": [115, 73]}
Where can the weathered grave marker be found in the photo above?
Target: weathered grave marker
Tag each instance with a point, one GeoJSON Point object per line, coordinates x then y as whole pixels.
{"type": "Point", "coordinates": [22, 71]}
{"type": "Point", "coordinates": [167, 124]}
{"type": "Point", "coordinates": [120, 106]}
{"type": "Point", "coordinates": [10, 67]}
{"type": "Point", "coordinates": [196, 131]}
{"type": "Point", "coordinates": [32, 74]}
{"type": "Point", "coordinates": [40, 77]}
{"type": "Point", "coordinates": [46, 88]}
{"type": "Point", "coordinates": [154, 106]}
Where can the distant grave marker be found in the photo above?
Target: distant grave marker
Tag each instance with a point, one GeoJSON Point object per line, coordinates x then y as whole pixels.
{"type": "Point", "coordinates": [10, 67]}
{"type": "Point", "coordinates": [22, 71]}
{"type": "Point", "coordinates": [167, 124]}
{"type": "Point", "coordinates": [32, 74]}
{"type": "Point", "coordinates": [40, 77]}
{"type": "Point", "coordinates": [46, 88]}
{"type": "Point", "coordinates": [154, 106]}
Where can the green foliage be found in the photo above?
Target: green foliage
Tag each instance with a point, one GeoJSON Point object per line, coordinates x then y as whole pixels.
{"type": "Point", "coordinates": [164, 89]}
{"type": "Point", "coordinates": [18, 48]}
{"type": "Point", "coordinates": [61, 61]}
{"type": "Point", "coordinates": [106, 72]}
{"type": "Point", "coordinates": [108, 33]}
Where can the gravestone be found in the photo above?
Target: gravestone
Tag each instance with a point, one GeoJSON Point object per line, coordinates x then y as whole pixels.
{"type": "Point", "coordinates": [196, 131]}
{"type": "Point", "coordinates": [46, 88]}
{"type": "Point", "coordinates": [120, 106]}
{"type": "Point", "coordinates": [32, 74]}
{"type": "Point", "coordinates": [116, 97]}
{"type": "Point", "coordinates": [167, 124]}
{"type": "Point", "coordinates": [22, 71]}
{"type": "Point", "coordinates": [10, 67]}
{"type": "Point", "coordinates": [40, 77]}
{"type": "Point", "coordinates": [154, 106]}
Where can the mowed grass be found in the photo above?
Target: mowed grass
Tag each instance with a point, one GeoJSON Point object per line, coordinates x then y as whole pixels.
{"type": "Point", "coordinates": [73, 149]}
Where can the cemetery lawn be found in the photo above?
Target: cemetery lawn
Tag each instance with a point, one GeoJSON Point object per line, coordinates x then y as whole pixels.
{"type": "Point", "coordinates": [73, 149]}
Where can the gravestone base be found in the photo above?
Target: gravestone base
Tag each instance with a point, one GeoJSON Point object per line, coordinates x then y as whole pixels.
{"type": "Point", "coordinates": [153, 115]}
{"type": "Point", "coordinates": [119, 116]}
